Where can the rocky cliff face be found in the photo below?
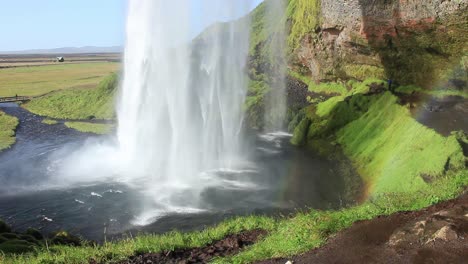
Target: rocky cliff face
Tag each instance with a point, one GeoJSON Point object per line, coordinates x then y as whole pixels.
{"type": "Point", "coordinates": [410, 41]}
{"type": "Point", "coordinates": [422, 43]}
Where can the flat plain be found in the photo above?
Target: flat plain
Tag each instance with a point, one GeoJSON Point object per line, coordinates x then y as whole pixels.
{"type": "Point", "coordinates": [34, 75]}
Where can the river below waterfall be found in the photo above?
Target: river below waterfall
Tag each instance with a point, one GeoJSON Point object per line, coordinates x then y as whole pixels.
{"type": "Point", "coordinates": [287, 179]}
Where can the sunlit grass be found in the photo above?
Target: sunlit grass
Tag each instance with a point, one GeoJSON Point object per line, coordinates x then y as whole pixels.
{"type": "Point", "coordinates": [94, 128]}
{"type": "Point", "coordinates": [327, 88]}
{"type": "Point", "coordinates": [122, 249]}
{"type": "Point", "coordinates": [8, 125]}
{"type": "Point", "coordinates": [49, 121]}
{"type": "Point", "coordinates": [39, 80]}
{"type": "Point", "coordinates": [78, 104]}
{"type": "Point", "coordinates": [393, 152]}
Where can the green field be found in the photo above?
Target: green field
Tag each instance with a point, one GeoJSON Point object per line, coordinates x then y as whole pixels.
{"type": "Point", "coordinates": [39, 80]}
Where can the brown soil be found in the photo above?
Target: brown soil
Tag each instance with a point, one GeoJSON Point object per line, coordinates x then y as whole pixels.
{"type": "Point", "coordinates": [230, 245]}
{"type": "Point", "coordinates": [437, 234]}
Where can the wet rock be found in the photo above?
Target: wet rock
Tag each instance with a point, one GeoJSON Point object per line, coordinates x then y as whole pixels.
{"type": "Point", "coordinates": [446, 233]}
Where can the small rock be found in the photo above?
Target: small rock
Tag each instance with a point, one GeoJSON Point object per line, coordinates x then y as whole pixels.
{"type": "Point", "coordinates": [289, 262]}
{"type": "Point", "coordinates": [442, 213]}
{"type": "Point", "coordinates": [446, 233]}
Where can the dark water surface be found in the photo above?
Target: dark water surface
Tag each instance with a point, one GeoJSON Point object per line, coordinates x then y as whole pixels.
{"type": "Point", "coordinates": [289, 179]}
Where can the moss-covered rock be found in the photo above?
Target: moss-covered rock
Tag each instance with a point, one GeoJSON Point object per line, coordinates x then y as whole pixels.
{"type": "Point", "coordinates": [4, 228]}
{"type": "Point", "coordinates": [34, 233]}
{"type": "Point", "coordinates": [300, 132]}
{"type": "Point", "coordinates": [64, 238]}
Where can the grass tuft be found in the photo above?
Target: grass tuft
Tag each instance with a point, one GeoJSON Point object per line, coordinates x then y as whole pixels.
{"type": "Point", "coordinates": [95, 128]}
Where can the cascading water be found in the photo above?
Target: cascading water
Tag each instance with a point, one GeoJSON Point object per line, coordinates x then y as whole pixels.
{"type": "Point", "coordinates": [180, 109]}
{"type": "Point", "coordinates": [275, 101]}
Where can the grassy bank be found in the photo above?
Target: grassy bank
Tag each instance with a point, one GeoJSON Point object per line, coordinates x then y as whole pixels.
{"type": "Point", "coordinates": [389, 148]}
{"type": "Point", "coordinates": [97, 102]}
{"type": "Point", "coordinates": [8, 125]}
{"type": "Point", "coordinates": [100, 129]}
{"type": "Point", "coordinates": [39, 80]}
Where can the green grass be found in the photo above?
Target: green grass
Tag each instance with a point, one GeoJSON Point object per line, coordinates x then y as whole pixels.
{"type": "Point", "coordinates": [94, 128]}
{"type": "Point", "coordinates": [78, 104]}
{"type": "Point", "coordinates": [312, 229]}
{"type": "Point", "coordinates": [39, 80]}
{"type": "Point", "coordinates": [363, 72]}
{"type": "Point", "coordinates": [356, 87]}
{"type": "Point", "coordinates": [325, 108]}
{"type": "Point", "coordinates": [8, 125]}
{"type": "Point", "coordinates": [49, 121]}
{"type": "Point", "coordinates": [327, 88]}
{"type": "Point", "coordinates": [120, 250]}
{"type": "Point", "coordinates": [393, 152]}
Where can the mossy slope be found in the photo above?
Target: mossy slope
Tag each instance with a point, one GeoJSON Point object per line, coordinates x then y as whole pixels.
{"type": "Point", "coordinates": [395, 153]}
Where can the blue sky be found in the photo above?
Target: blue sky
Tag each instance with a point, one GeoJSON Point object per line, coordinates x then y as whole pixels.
{"type": "Point", "coordinates": [44, 24]}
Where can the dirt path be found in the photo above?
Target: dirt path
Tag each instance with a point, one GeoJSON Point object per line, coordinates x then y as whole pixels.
{"type": "Point", "coordinates": [437, 234]}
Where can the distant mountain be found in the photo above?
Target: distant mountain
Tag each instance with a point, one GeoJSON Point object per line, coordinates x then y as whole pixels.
{"type": "Point", "coordinates": [69, 50]}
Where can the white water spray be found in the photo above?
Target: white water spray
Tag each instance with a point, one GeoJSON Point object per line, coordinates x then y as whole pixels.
{"type": "Point", "coordinates": [180, 109]}
{"type": "Point", "coordinates": [275, 101]}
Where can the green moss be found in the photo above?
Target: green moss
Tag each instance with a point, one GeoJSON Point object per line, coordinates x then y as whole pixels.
{"type": "Point", "coordinates": [393, 152]}
{"type": "Point", "coordinates": [300, 132]}
{"type": "Point", "coordinates": [327, 88]}
{"type": "Point", "coordinates": [254, 103]}
{"type": "Point", "coordinates": [95, 128]}
{"type": "Point", "coordinates": [363, 72]}
{"type": "Point", "coordinates": [305, 16]}
{"type": "Point", "coordinates": [78, 104]}
{"type": "Point", "coordinates": [325, 108]}
{"type": "Point", "coordinates": [8, 125]}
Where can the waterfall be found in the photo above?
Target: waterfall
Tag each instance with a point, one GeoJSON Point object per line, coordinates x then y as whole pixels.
{"type": "Point", "coordinates": [275, 101]}
{"type": "Point", "coordinates": [180, 106]}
